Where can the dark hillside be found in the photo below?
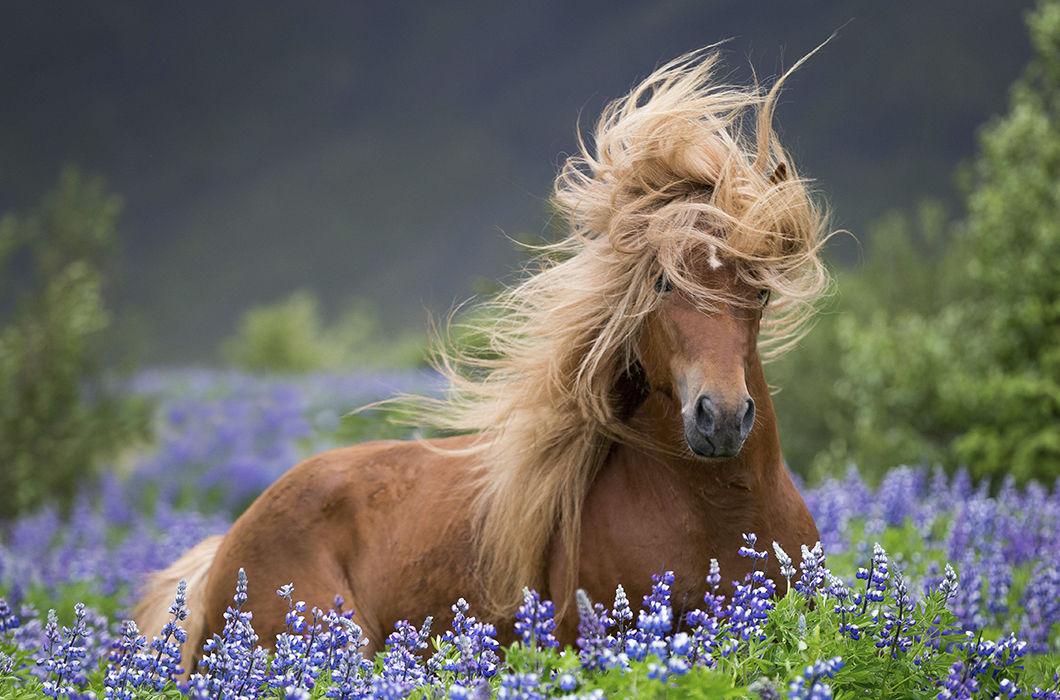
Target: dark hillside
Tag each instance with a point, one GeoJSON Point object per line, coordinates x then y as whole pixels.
{"type": "Point", "coordinates": [386, 150]}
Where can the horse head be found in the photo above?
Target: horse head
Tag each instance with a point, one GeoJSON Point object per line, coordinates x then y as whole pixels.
{"type": "Point", "coordinates": [698, 354]}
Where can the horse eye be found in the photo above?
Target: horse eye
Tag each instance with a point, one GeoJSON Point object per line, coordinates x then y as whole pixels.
{"type": "Point", "coordinates": [763, 297]}
{"type": "Point", "coordinates": [663, 284]}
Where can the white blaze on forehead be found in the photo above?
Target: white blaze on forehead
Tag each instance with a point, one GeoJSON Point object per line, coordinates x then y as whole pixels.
{"type": "Point", "coordinates": [714, 261]}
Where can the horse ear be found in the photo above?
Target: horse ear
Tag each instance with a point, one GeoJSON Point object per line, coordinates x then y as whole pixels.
{"type": "Point", "coordinates": [780, 174]}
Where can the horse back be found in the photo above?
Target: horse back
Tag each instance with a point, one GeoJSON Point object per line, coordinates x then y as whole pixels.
{"type": "Point", "coordinates": [384, 525]}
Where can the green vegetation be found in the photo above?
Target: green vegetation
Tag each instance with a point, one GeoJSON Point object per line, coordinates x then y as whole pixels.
{"type": "Point", "coordinates": [57, 420]}
{"type": "Point", "coordinates": [947, 344]}
{"type": "Point", "coordinates": [291, 336]}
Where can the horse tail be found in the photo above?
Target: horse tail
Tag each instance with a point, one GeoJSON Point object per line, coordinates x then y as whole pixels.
{"type": "Point", "coordinates": [152, 610]}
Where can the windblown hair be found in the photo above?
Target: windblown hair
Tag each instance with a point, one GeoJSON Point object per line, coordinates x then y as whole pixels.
{"type": "Point", "coordinates": [680, 168]}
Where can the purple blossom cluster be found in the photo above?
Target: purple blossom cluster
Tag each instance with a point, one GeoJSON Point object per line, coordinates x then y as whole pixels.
{"type": "Point", "coordinates": [987, 539]}
{"type": "Point", "coordinates": [327, 646]}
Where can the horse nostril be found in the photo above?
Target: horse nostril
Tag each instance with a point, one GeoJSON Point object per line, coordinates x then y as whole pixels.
{"type": "Point", "coordinates": [748, 419]}
{"type": "Point", "coordinates": [705, 416]}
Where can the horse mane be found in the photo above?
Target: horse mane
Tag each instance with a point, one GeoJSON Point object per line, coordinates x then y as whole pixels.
{"type": "Point", "coordinates": [678, 167]}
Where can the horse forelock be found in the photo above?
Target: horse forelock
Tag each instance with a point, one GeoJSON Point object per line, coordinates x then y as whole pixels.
{"type": "Point", "coordinates": [675, 179]}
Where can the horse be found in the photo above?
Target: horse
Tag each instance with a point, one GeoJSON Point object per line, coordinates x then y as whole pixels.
{"type": "Point", "coordinates": [618, 421]}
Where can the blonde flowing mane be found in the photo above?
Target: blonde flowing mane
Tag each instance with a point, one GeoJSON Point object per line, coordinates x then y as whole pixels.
{"type": "Point", "coordinates": [678, 167]}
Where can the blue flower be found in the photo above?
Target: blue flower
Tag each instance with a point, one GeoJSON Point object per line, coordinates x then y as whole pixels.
{"type": "Point", "coordinates": [535, 622]}
{"type": "Point", "coordinates": [593, 622]}
{"type": "Point", "coordinates": [475, 644]}
{"type": "Point", "coordinates": [814, 572]}
{"type": "Point", "coordinates": [811, 685]}
{"type": "Point", "coordinates": [233, 663]}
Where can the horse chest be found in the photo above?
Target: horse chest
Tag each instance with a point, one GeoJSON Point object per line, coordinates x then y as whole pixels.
{"type": "Point", "coordinates": [638, 521]}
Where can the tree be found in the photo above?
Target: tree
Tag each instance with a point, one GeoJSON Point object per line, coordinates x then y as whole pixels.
{"type": "Point", "coordinates": [56, 419]}
{"type": "Point", "coordinates": [971, 376]}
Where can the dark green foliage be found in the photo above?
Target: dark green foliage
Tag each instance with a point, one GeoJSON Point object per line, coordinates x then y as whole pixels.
{"type": "Point", "coordinates": [56, 420]}
{"type": "Point", "coordinates": [946, 347]}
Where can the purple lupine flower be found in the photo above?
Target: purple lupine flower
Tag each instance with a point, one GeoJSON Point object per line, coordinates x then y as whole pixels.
{"type": "Point", "coordinates": [876, 578]}
{"type": "Point", "coordinates": [164, 666]}
{"type": "Point", "coordinates": [752, 599]}
{"type": "Point", "coordinates": [595, 651]}
{"type": "Point", "coordinates": [403, 669]}
{"type": "Point", "coordinates": [751, 603]}
{"type": "Point", "coordinates": [8, 619]}
{"type": "Point", "coordinates": [707, 631]}
{"type": "Point", "coordinates": [622, 615]}
{"type": "Point", "coordinates": [958, 684]}
{"type": "Point", "coordinates": [1041, 606]}
{"type": "Point", "coordinates": [897, 621]}
{"type": "Point", "coordinates": [787, 570]}
{"type": "Point", "coordinates": [289, 662]}
{"type": "Point", "coordinates": [476, 646]}
{"type": "Point", "coordinates": [654, 620]}
{"type": "Point", "coordinates": [948, 585]}
{"type": "Point", "coordinates": [520, 686]}
{"type": "Point", "coordinates": [845, 607]}
{"type": "Point", "coordinates": [234, 664]}
{"type": "Point", "coordinates": [64, 654]}
{"type": "Point", "coordinates": [125, 671]}
{"type": "Point", "coordinates": [811, 685]}
{"type": "Point", "coordinates": [535, 621]}
{"type": "Point", "coordinates": [749, 550]}
{"type": "Point", "coordinates": [566, 682]}
{"type": "Point", "coordinates": [350, 670]}
{"type": "Point", "coordinates": [814, 571]}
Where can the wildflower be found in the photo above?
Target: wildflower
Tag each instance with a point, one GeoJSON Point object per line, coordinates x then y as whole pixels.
{"type": "Point", "coordinates": [595, 654]}
{"type": "Point", "coordinates": [535, 621]}
{"type": "Point", "coordinates": [475, 644]}
{"type": "Point", "coordinates": [948, 586]}
{"type": "Point", "coordinates": [403, 669]}
{"type": "Point", "coordinates": [654, 620]}
{"type": "Point", "coordinates": [1041, 606]}
{"type": "Point", "coordinates": [566, 682]}
{"type": "Point", "coordinates": [897, 621]}
{"type": "Point", "coordinates": [750, 607]}
{"type": "Point", "coordinates": [714, 600]}
{"type": "Point", "coordinates": [165, 664]}
{"type": "Point", "coordinates": [65, 654]}
{"type": "Point", "coordinates": [8, 619]}
{"type": "Point", "coordinates": [811, 683]}
{"type": "Point", "coordinates": [786, 568]}
{"type": "Point", "coordinates": [844, 606]}
{"type": "Point", "coordinates": [349, 667]}
{"type": "Point", "coordinates": [814, 572]}
{"type": "Point", "coordinates": [876, 578]}
{"type": "Point", "coordinates": [520, 686]}
{"type": "Point", "coordinates": [234, 664]}
{"type": "Point", "coordinates": [958, 683]}
{"type": "Point", "coordinates": [622, 614]}
{"type": "Point", "coordinates": [125, 670]}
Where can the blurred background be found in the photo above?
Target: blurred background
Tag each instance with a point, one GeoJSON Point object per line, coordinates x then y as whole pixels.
{"type": "Point", "coordinates": [289, 187]}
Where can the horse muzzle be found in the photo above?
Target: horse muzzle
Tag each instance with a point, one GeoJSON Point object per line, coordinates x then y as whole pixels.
{"type": "Point", "coordinates": [716, 431]}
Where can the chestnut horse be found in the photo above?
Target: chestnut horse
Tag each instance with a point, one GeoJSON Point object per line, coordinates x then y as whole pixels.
{"type": "Point", "coordinates": [620, 422]}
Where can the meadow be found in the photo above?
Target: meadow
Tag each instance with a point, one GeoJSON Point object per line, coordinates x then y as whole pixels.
{"type": "Point", "coordinates": [925, 585]}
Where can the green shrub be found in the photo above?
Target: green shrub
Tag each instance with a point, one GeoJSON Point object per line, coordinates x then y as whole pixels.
{"type": "Point", "coordinates": [57, 421]}
{"type": "Point", "coordinates": [291, 336]}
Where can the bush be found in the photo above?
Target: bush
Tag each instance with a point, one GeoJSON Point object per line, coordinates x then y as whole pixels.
{"type": "Point", "coordinates": [56, 419]}
{"type": "Point", "coordinates": [290, 336]}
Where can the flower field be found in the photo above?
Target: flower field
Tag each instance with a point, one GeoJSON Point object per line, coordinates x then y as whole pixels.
{"type": "Point", "coordinates": [926, 586]}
